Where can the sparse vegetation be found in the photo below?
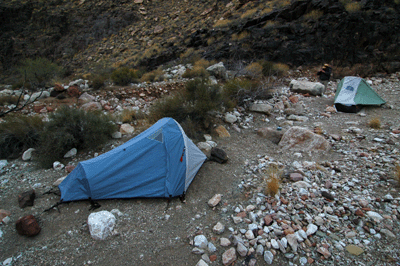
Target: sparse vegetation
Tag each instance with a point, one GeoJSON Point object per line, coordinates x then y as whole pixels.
{"type": "Point", "coordinates": [191, 106]}
{"type": "Point", "coordinates": [155, 75]}
{"type": "Point", "coordinates": [272, 180]}
{"type": "Point", "coordinates": [249, 13]}
{"type": "Point", "coordinates": [17, 133]}
{"type": "Point", "coordinates": [396, 174]}
{"type": "Point", "coordinates": [273, 69]}
{"type": "Point", "coordinates": [8, 99]}
{"type": "Point", "coordinates": [124, 75]}
{"type": "Point", "coordinates": [254, 70]}
{"type": "Point", "coordinates": [353, 7]}
{"type": "Point", "coordinates": [375, 123]}
{"type": "Point", "coordinates": [240, 90]}
{"type": "Point", "coordinates": [38, 71]}
{"type": "Point", "coordinates": [198, 70]}
{"type": "Point", "coordinates": [72, 128]}
{"type": "Point", "coordinates": [128, 115]}
{"type": "Point", "coordinates": [98, 82]}
{"type": "Point", "coordinates": [222, 23]}
{"type": "Point", "coordinates": [314, 14]}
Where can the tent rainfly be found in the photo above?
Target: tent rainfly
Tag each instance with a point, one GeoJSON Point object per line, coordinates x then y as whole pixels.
{"type": "Point", "coordinates": [354, 92]}
{"type": "Point", "coordinates": [160, 162]}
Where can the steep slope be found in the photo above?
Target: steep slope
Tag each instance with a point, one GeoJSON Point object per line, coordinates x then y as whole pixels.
{"type": "Point", "coordinates": [91, 35]}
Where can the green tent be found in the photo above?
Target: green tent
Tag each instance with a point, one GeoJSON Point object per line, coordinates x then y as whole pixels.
{"type": "Point", "coordinates": [354, 92]}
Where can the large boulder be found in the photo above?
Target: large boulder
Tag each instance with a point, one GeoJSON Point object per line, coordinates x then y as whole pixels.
{"type": "Point", "coordinates": [263, 108]}
{"type": "Point", "coordinates": [302, 139]}
{"type": "Point", "coordinates": [217, 70]}
{"type": "Point", "coordinates": [271, 134]}
{"type": "Point", "coordinates": [312, 88]}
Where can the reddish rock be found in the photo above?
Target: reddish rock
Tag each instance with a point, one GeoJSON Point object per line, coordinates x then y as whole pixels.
{"type": "Point", "coordinates": [288, 231]}
{"type": "Point", "coordinates": [73, 91]}
{"type": "Point", "coordinates": [4, 214]}
{"type": "Point", "coordinates": [213, 257]}
{"type": "Point", "coordinates": [38, 107]}
{"type": "Point", "coordinates": [26, 198]}
{"type": "Point", "coordinates": [396, 131]}
{"type": "Point", "coordinates": [296, 177]}
{"type": "Point", "coordinates": [284, 201]}
{"type": "Point", "coordinates": [268, 220]}
{"type": "Point", "coordinates": [241, 214]}
{"type": "Point", "coordinates": [271, 134]}
{"type": "Point", "coordinates": [69, 168]}
{"type": "Point", "coordinates": [328, 184]}
{"type": "Point", "coordinates": [59, 88]}
{"type": "Point", "coordinates": [294, 99]}
{"type": "Point", "coordinates": [359, 213]}
{"type": "Point", "coordinates": [310, 260]}
{"type": "Point", "coordinates": [27, 226]}
{"type": "Point", "coordinates": [304, 197]}
{"type": "Point", "coordinates": [49, 109]}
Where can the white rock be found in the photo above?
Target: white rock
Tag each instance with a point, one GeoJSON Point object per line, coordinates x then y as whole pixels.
{"type": "Point", "coordinates": [58, 166]}
{"type": "Point", "coordinates": [116, 135]}
{"type": "Point", "coordinates": [215, 200]}
{"type": "Point", "coordinates": [101, 224]}
{"type": "Point", "coordinates": [8, 262]}
{"type": "Point", "coordinates": [219, 228]}
{"type": "Point", "coordinates": [58, 181]}
{"type": "Point", "coordinates": [126, 129]}
{"type": "Point", "coordinates": [27, 155]}
{"type": "Point", "coordinates": [313, 88]}
{"type": "Point", "coordinates": [311, 229]}
{"type": "Point", "coordinates": [261, 108]}
{"type": "Point", "coordinates": [229, 256]}
{"type": "Point", "coordinates": [201, 263]}
{"type": "Point", "coordinates": [200, 241]}
{"type": "Point", "coordinates": [241, 249]}
{"type": "Point", "coordinates": [71, 153]}
{"type": "Point", "coordinates": [249, 235]}
{"type": "Point", "coordinates": [211, 247]}
{"type": "Point", "coordinates": [230, 118]}
{"type": "Point", "coordinates": [260, 250]}
{"type": "Point", "coordinates": [375, 216]}
{"type": "Point", "coordinates": [224, 242]}
{"type": "Point", "coordinates": [116, 212]}
{"type": "Point", "coordinates": [268, 257]}
{"type": "Point", "coordinates": [274, 244]}
{"type": "Point", "coordinates": [292, 240]}
{"type": "Point", "coordinates": [3, 163]}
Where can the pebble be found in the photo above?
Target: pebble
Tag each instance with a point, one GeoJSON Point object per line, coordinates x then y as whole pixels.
{"type": "Point", "coordinates": [268, 257]}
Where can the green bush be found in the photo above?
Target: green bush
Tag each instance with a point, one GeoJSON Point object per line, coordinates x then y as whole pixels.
{"type": "Point", "coordinates": [18, 133]}
{"type": "Point", "coordinates": [98, 82]}
{"type": "Point", "coordinates": [239, 91]}
{"type": "Point", "coordinates": [155, 75]}
{"type": "Point", "coordinates": [38, 71]}
{"type": "Point", "coordinates": [123, 76]}
{"type": "Point", "coordinates": [190, 107]}
{"type": "Point", "coordinates": [73, 128]}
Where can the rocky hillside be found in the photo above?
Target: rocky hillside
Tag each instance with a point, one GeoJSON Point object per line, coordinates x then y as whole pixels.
{"type": "Point", "coordinates": [86, 36]}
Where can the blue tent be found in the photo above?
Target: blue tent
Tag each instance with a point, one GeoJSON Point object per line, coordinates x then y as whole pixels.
{"type": "Point", "coordinates": [160, 162]}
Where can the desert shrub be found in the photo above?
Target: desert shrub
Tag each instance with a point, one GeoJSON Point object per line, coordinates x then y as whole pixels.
{"type": "Point", "coordinates": [8, 99]}
{"type": "Point", "coordinates": [128, 115]}
{"type": "Point", "coordinates": [124, 75]}
{"type": "Point", "coordinates": [315, 14]}
{"type": "Point", "coordinates": [191, 106]}
{"type": "Point", "coordinates": [272, 180]}
{"type": "Point", "coordinates": [222, 23]}
{"type": "Point", "coordinates": [155, 75]}
{"type": "Point", "coordinates": [237, 37]}
{"type": "Point", "coordinates": [254, 70]}
{"type": "Point", "coordinates": [273, 69]}
{"type": "Point", "coordinates": [249, 13]}
{"type": "Point", "coordinates": [375, 123]}
{"type": "Point", "coordinates": [98, 81]}
{"type": "Point", "coordinates": [266, 11]}
{"type": "Point", "coordinates": [396, 173]}
{"type": "Point", "coordinates": [18, 133]}
{"type": "Point", "coordinates": [39, 70]}
{"type": "Point", "coordinates": [198, 70]}
{"type": "Point", "coordinates": [240, 91]}
{"type": "Point", "coordinates": [353, 7]}
{"type": "Point", "coordinates": [81, 129]}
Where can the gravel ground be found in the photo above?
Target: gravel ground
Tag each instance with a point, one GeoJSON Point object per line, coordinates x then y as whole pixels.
{"type": "Point", "coordinates": [154, 232]}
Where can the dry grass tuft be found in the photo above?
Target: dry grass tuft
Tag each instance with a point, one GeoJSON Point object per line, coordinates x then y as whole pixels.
{"type": "Point", "coordinates": [272, 180]}
{"type": "Point", "coordinates": [396, 175]}
{"type": "Point", "coordinates": [353, 7]}
{"type": "Point", "coordinates": [222, 23]}
{"type": "Point", "coordinates": [375, 123]}
{"type": "Point", "coordinates": [315, 14]}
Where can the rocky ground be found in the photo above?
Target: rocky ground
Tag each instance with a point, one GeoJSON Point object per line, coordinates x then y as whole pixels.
{"type": "Point", "coordinates": [336, 207]}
